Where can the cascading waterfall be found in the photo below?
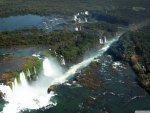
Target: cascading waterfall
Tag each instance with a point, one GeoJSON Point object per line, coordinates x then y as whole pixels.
{"type": "Point", "coordinates": [24, 96]}
{"type": "Point", "coordinates": [52, 68]}
{"type": "Point", "coordinates": [35, 70]}
{"type": "Point", "coordinates": [86, 20]}
{"type": "Point", "coordinates": [63, 61]}
{"type": "Point", "coordinates": [76, 29]}
{"type": "Point", "coordinates": [14, 84]}
{"type": "Point", "coordinates": [100, 41]}
{"type": "Point", "coordinates": [28, 73]}
{"type": "Point", "coordinates": [72, 70]}
{"type": "Point", "coordinates": [23, 79]}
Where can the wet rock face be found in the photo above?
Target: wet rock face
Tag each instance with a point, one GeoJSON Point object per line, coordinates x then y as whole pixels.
{"type": "Point", "coordinates": [2, 95]}
{"type": "Point", "coordinates": [51, 88]}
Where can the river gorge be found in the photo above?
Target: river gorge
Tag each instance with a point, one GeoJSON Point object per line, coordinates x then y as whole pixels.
{"type": "Point", "coordinates": [52, 86]}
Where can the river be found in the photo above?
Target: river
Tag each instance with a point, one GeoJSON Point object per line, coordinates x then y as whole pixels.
{"type": "Point", "coordinates": [120, 92]}
{"type": "Point", "coordinates": [47, 23]}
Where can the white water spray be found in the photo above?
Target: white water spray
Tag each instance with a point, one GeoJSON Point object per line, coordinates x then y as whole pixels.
{"type": "Point", "coordinates": [23, 80]}
{"type": "Point", "coordinates": [72, 70]}
{"type": "Point", "coordinates": [24, 96]}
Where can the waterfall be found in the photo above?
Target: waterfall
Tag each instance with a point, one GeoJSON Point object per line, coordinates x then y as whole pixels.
{"type": "Point", "coordinates": [100, 41]}
{"type": "Point", "coordinates": [86, 20]}
{"type": "Point", "coordinates": [86, 13]}
{"type": "Point", "coordinates": [23, 96]}
{"type": "Point", "coordinates": [63, 61]}
{"type": "Point", "coordinates": [56, 53]}
{"type": "Point", "coordinates": [75, 17]}
{"type": "Point", "coordinates": [28, 73]}
{"type": "Point", "coordinates": [52, 68]}
{"type": "Point", "coordinates": [15, 84]}
{"type": "Point", "coordinates": [34, 96]}
{"type": "Point", "coordinates": [72, 70]}
{"type": "Point", "coordinates": [23, 79]}
{"type": "Point", "coordinates": [76, 29]}
{"type": "Point", "coordinates": [37, 55]}
{"type": "Point", "coordinates": [35, 70]}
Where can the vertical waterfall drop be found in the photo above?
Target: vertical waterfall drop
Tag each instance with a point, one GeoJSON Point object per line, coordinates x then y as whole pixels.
{"type": "Point", "coordinates": [51, 67]}
{"type": "Point", "coordinates": [13, 86]}
{"type": "Point", "coordinates": [31, 96]}
{"type": "Point", "coordinates": [100, 41]}
{"type": "Point", "coordinates": [86, 20]}
{"type": "Point", "coordinates": [72, 70]}
{"type": "Point", "coordinates": [75, 17]}
{"type": "Point", "coordinates": [63, 61]}
{"type": "Point", "coordinates": [23, 80]}
{"type": "Point", "coordinates": [76, 29]}
{"type": "Point", "coordinates": [28, 73]}
{"type": "Point", "coordinates": [35, 70]}
{"type": "Point", "coordinates": [86, 13]}
{"type": "Point", "coordinates": [15, 83]}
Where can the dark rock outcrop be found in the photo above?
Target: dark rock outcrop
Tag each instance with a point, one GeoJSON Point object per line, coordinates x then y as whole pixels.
{"type": "Point", "coordinates": [2, 95]}
{"type": "Point", "coordinates": [51, 88]}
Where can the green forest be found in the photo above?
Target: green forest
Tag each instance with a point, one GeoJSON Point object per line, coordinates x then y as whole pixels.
{"type": "Point", "coordinates": [134, 47]}
{"type": "Point", "coordinates": [124, 10]}
{"type": "Point", "coordinates": [69, 44]}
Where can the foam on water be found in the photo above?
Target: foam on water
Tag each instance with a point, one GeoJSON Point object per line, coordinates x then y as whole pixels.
{"type": "Point", "coordinates": [24, 96]}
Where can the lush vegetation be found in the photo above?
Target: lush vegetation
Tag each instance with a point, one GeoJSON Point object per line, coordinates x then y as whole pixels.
{"type": "Point", "coordinates": [112, 10]}
{"type": "Point", "coordinates": [68, 44]}
{"type": "Point", "coordinates": [101, 26]}
{"type": "Point", "coordinates": [134, 48]}
{"type": "Point", "coordinates": [25, 64]}
{"type": "Point", "coordinates": [138, 43]}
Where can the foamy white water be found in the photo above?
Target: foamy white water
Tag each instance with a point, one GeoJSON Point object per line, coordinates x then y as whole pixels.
{"type": "Point", "coordinates": [23, 80]}
{"type": "Point", "coordinates": [52, 68]}
{"type": "Point", "coordinates": [24, 96]}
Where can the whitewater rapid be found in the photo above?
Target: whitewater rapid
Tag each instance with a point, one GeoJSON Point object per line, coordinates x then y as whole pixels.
{"type": "Point", "coordinates": [23, 96]}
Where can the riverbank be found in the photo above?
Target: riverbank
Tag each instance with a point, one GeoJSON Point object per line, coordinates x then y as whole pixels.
{"type": "Point", "coordinates": [133, 47]}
